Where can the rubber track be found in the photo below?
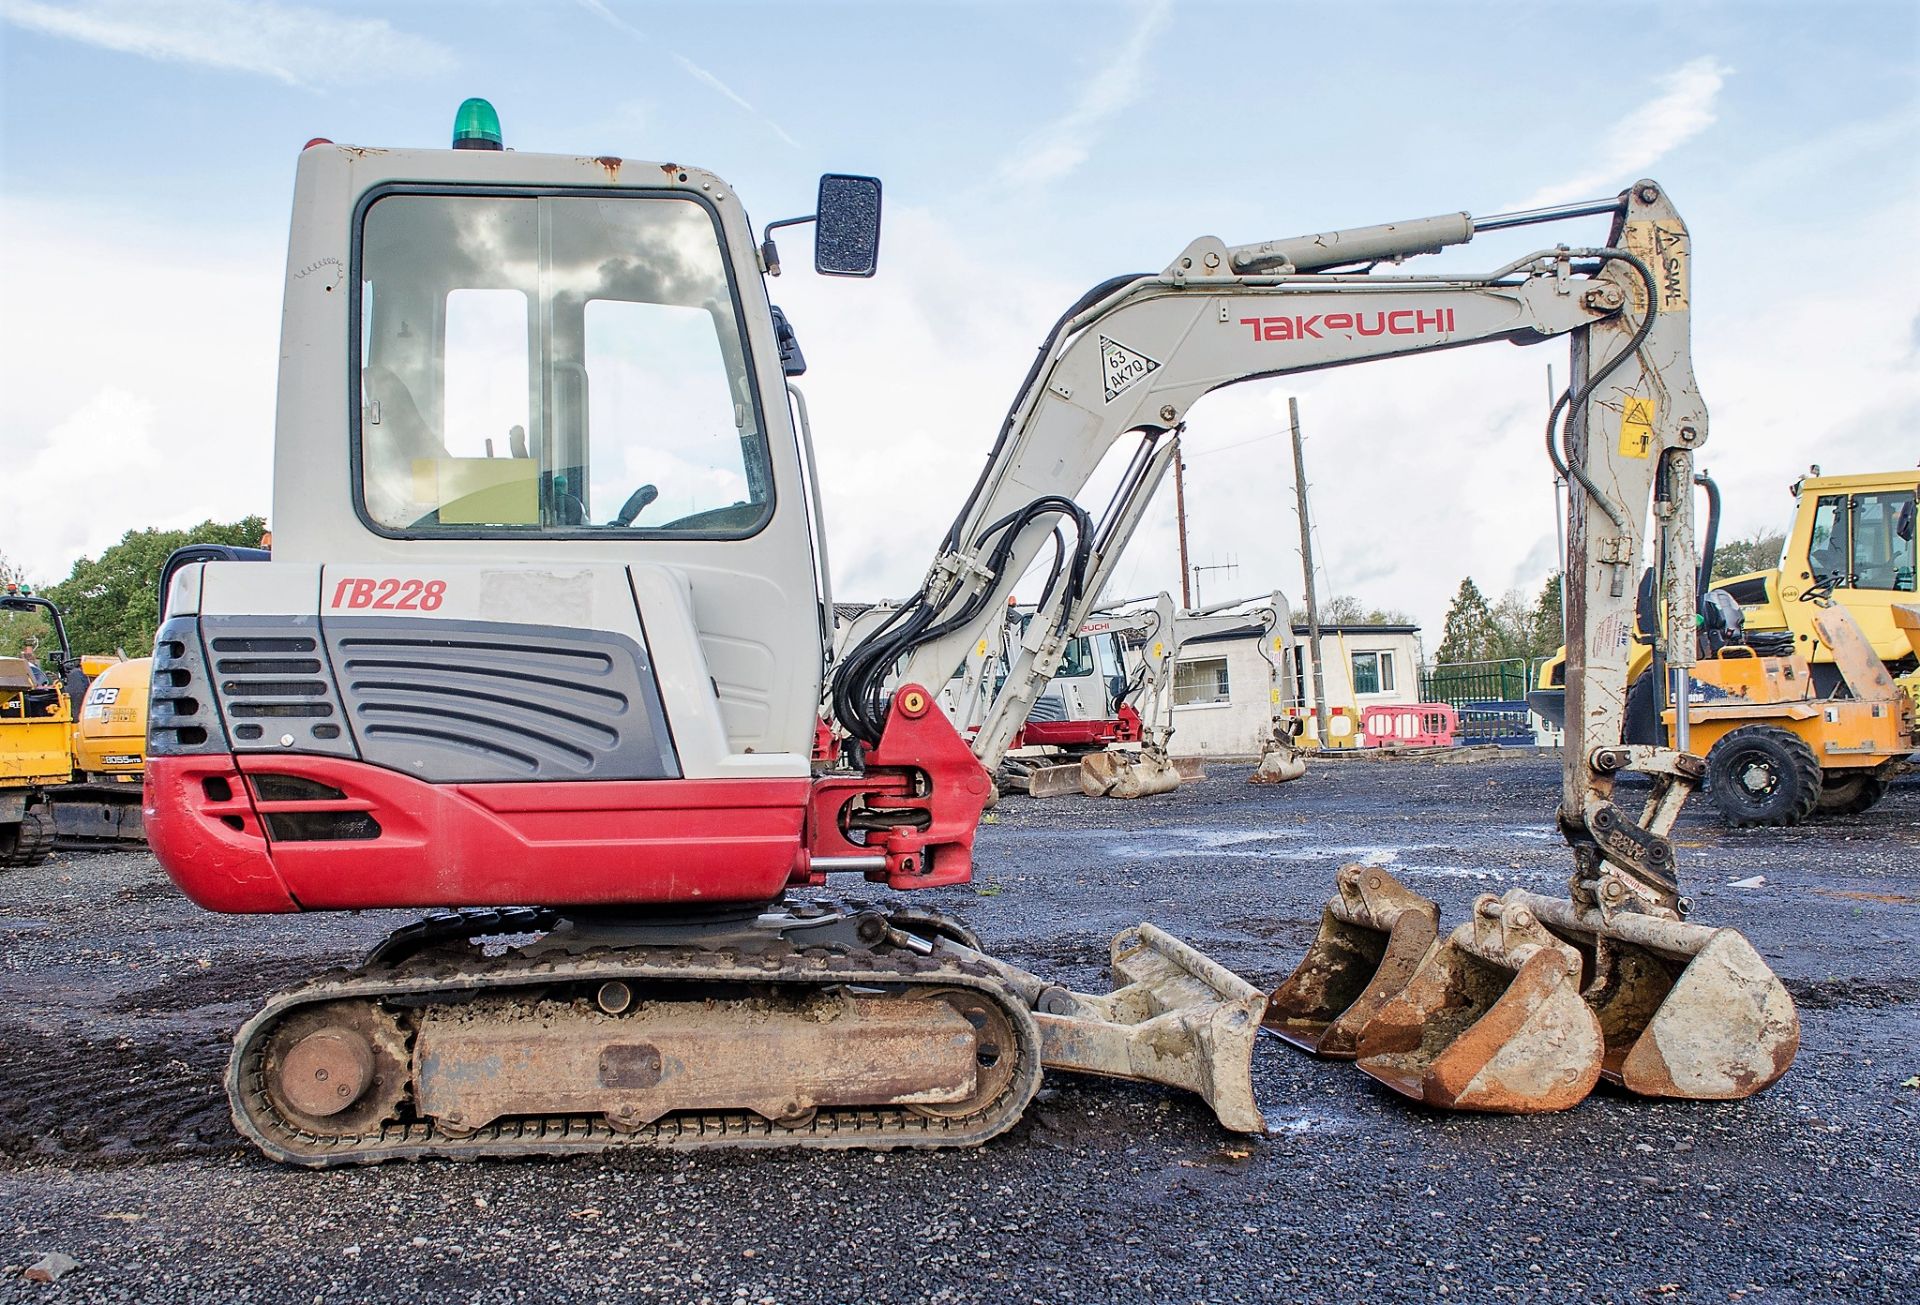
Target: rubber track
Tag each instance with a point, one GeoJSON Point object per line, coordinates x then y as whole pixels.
{"type": "Point", "coordinates": [34, 843]}
{"type": "Point", "coordinates": [877, 1127]}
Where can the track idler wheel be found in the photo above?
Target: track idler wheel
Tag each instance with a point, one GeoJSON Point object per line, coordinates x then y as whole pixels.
{"type": "Point", "coordinates": [1491, 1020]}
{"type": "Point", "coordinates": [1686, 1011]}
{"type": "Point", "coordinates": [1373, 935]}
{"type": "Point", "coordinates": [337, 1068]}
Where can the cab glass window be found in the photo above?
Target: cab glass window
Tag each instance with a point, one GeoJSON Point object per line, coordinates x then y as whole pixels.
{"type": "Point", "coordinates": [1078, 658]}
{"type": "Point", "coordinates": [554, 364]}
{"type": "Point", "coordinates": [1883, 546]}
{"type": "Point", "coordinates": [1827, 549]}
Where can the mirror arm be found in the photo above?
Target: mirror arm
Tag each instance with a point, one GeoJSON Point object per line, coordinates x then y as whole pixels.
{"type": "Point", "coordinates": [769, 252]}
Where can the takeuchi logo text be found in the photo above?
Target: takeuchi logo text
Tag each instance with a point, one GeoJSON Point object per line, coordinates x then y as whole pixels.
{"type": "Point", "coordinates": [1398, 321]}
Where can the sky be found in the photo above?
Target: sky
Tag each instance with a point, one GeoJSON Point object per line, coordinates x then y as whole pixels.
{"type": "Point", "coordinates": [1029, 151]}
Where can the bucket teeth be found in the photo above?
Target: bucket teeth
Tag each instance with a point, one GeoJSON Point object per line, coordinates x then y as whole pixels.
{"type": "Point", "coordinates": [1373, 934]}
{"type": "Point", "coordinates": [1687, 1011]}
{"type": "Point", "coordinates": [1492, 1020]}
{"type": "Point", "coordinates": [1175, 1016]}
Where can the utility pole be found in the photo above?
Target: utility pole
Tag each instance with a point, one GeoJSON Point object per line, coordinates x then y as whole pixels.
{"type": "Point", "coordinates": [1180, 516]}
{"type": "Point", "coordinates": [1306, 558]}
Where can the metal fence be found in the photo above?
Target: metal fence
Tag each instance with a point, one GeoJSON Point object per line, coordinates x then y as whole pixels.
{"type": "Point", "coordinates": [1491, 697]}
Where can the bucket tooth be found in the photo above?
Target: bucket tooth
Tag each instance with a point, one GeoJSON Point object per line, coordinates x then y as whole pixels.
{"type": "Point", "coordinates": [1687, 1011]}
{"type": "Point", "coordinates": [1175, 1016]}
{"type": "Point", "coordinates": [1492, 1020]}
{"type": "Point", "coordinates": [1373, 934]}
{"type": "Point", "coordinates": [1120, 774]}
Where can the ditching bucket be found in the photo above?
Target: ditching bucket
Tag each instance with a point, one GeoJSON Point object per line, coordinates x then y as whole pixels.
{"type": "Point", "coordinates": [1492, 1019]}
{"type": "Point", "coordinates": [1175, 1016]}
{"type": "Point", "coordinates": [1373, 934]}
{"type": "Point", "coordinates": [1118, 774]}
{"type": "Point", "coordinates": [1686, 1011]}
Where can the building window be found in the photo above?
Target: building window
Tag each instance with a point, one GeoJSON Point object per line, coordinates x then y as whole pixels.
{"type": "Point", "coordinates": [1372, 672]}
{"type": "Point", "coordinates": [1200, 682]}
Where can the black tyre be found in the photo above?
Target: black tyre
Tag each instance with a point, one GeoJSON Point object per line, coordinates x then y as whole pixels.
{"type": "Point", "coordinates": [30, 842]}
{"type": "Point", "coordinates": [1849, 792]}
{"type": "Point", "coordinates": [1762, 775]}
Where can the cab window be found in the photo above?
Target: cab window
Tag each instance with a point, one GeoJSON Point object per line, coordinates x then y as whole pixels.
{"type": "Point", "coordinates": [554, 364]}
{"type": "Point", "coordinates": [1882, 528]}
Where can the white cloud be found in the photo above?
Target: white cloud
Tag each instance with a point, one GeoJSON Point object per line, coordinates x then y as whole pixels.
{"type": "Point", "coordinates": [1064, 144]}
{"type": "Point", "coordinates": [1682, 110]}
{"type": "Point", "coordinates": [291, 43]}
{"type": "Point", "coordinates": [139, 389]}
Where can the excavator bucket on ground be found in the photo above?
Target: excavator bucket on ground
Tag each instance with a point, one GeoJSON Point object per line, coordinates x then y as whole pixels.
{"type": "Point", "coordinates": [1119, 774]}
{"type": "Point", "coordinates": [1492, 1019]}
{"type": "Point", "coordinates": [1175, 1016]}
{"type": "Point", "coordinates": [1685, 1010]}
{"type": "Point", "coordinates": [1374, 932]}
{"type": "Point", "coordinates": [1279, 763]}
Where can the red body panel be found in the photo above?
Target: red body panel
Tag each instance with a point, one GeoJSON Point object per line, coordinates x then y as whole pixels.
{"type": "Point", "coordinates": [1123, 728]}
{"type": "Point", "coordinates": [638, 843]}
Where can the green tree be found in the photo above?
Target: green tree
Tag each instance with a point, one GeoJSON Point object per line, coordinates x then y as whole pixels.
{"type": "Point", "coordinates": [1468, 634]}
{"type": "Point", "coordinates": [16, 628]}
{"type": "Point", "coordinates": [1546, 619]}
{"type": "Point", "coordinates": [1759, 552]}
{"type": "Point", "coordinates": [1345, 609]}
{"type": "Point", "coordinates": [113, 602]}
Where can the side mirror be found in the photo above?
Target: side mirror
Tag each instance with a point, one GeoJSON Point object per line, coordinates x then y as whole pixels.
{"type": "Point", "coordinates": [846, 239]}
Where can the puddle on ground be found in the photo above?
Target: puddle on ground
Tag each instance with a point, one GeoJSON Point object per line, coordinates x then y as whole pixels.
{"type": "Point", "coordinates": [1285, 1123]}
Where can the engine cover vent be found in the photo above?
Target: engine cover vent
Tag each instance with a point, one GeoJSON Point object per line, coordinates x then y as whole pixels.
{"type": "Point", "coordinates": [470, 701]}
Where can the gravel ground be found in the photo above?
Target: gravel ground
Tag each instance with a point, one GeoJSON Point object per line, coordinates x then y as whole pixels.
{"type": "Point", "coordinates": [117, 998]}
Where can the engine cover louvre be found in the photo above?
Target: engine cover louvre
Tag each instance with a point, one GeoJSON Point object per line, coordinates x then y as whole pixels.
{"type": "Point", "coordinates": [467, 701]}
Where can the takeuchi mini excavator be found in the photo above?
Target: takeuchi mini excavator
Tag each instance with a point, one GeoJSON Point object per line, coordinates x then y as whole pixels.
{"type": "Point", "coordinates": [546, 629]}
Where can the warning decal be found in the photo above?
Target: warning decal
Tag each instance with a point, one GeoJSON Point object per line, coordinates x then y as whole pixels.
{"type": "Point", "coordinates": [1120, 366]}
{"type": "Point", "coordinates": [1636, 428]}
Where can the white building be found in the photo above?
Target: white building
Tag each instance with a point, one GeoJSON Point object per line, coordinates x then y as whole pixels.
{"type": "Point", "coordinates": [1221, 696]}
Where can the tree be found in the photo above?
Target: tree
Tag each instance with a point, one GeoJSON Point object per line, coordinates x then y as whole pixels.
{"type": "Point", "coordinates": [1546, 621]}
{"type": "Point", "coordinates": [1760, 552]}
{"type": "Point", "coordinates": [1345, 609]}
{"type": "Point", "coordinates": [1468, 635]}
{"type": "Point", "coordinates": [113, 603]}
{"type": "Point", "coordinates": [17, 628]}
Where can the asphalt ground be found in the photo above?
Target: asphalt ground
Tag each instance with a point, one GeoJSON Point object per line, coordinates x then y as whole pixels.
{"type": "Point", "coordinates": [117, 998]}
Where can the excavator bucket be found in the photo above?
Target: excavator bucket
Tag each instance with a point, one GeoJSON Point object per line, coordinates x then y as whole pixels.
{"type": "Point", "coordinates": [1373, 934]}
{"type": "Point", "coordinates": [1686, 1011]}
{"type": "Point", "coordinates": [1279, 763]}
{"type": "Point", "coordinates": [1119, 774]}
{"type": "Point", "coordinates": [1491, 1020]}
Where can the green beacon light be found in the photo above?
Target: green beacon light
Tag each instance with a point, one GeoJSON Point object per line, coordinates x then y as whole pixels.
{"type": "Point", "coordinates": [476, 127]}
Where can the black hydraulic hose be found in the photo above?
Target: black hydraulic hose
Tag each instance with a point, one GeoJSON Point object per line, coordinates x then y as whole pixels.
{"type": "Point", "coordinates": [1568, 400]}
{"type": "Point", "coordinates": [1712, 541]}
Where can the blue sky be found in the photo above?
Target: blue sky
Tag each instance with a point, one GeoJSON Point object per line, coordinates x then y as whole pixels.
{"type": "Point", "coordinates": [1029, 150]}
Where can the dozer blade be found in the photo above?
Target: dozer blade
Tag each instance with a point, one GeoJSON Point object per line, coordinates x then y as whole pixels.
{"type": "Point", "coordinates": [1127, 775]}
{"type": "Point", "coordinates": [1373, 935]}
{"type": "Point", "coordinates": [1175, 1016]}
{"type": "Point", "coordinates": [1686, 1011]}
{"type": "Point", "coordinates": [1492, 1020]}
{"type": "Point", "coordinates": [1278, 764]}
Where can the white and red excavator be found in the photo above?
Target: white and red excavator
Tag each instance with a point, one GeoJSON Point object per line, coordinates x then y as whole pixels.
{"type": "Point", "coordinates": [546, 631]}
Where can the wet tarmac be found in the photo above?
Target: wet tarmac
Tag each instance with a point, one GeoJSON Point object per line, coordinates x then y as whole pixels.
{"type": "Point", "coordinates": [117, 998]}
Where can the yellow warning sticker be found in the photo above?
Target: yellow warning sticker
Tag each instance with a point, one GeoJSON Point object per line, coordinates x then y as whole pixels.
{"type": "Point", "coordinates": [983, 648]}
{"type": "Point", "coordinates": [1636, 428]}
{"type": "Point", "coordinates": [1661, 243]}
